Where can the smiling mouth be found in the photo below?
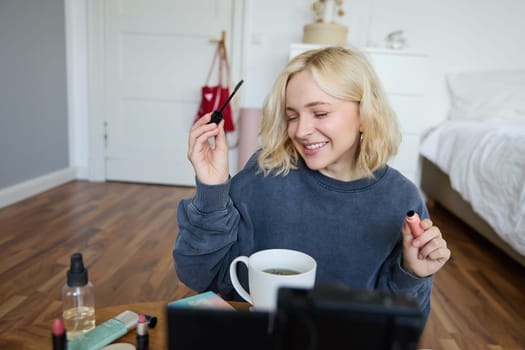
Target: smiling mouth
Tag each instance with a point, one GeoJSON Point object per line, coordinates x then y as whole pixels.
{"type": "Point", "coordinates": [314, 146]}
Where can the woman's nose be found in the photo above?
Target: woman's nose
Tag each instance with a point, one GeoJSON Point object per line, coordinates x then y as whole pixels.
{"type": "Point", "coordinates": [305, 127]}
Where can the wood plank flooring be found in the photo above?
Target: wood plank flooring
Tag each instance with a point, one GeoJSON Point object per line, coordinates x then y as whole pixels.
{"type": "Point", "coordinates": [477, 300]}
{"type": "Point", "coordinates": [126, 233]}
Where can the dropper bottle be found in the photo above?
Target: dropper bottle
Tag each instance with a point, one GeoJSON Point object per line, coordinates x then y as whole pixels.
{"type": "Point", "coordinates": [78, 300]}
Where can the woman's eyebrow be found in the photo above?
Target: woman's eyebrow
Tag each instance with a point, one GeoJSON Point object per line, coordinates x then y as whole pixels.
{"type": "Point", "coordinates": [309, 105]}
{"type": "Point", "coordinates": [316, 103]}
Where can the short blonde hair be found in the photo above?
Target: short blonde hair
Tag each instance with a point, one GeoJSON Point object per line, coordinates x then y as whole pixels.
{"type": "Point", "coordinates": [344, 74]}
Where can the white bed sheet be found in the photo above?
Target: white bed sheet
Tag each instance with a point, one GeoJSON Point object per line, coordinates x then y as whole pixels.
{"type": "Point", "coordinates": [485, 161]}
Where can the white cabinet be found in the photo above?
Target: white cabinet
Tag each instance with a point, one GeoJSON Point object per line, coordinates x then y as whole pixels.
{"type": "Point", "coordinates": [403, 75]}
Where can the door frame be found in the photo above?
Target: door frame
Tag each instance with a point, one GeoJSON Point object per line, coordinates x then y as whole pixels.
{"type": "Point", "coordinates": [95, 72]}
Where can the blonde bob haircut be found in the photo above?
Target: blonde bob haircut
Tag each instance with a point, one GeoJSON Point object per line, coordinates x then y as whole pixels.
{"type": "Point", "coordinates": [344, 74]}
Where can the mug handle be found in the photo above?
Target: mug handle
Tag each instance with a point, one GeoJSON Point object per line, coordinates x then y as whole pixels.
{"type": "Point", "coordinates": [235, 280]}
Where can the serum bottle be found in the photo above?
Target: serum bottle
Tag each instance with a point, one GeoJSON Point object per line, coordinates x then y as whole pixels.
{"type": "Point", "coordinates": [78, 300]}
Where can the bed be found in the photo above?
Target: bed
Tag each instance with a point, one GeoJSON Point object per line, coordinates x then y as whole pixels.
{"type": "Point", "coordinates": [473, 163]}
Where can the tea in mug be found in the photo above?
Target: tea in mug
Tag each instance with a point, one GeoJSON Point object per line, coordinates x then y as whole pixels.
{"type": "Point", "coordinates": [283, 272]}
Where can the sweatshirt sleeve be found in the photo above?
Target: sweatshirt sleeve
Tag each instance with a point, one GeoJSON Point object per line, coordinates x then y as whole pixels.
{"type": "Point", "coordinates": [208, 225]}
{"type": "Point", "coordinates": [400, 281]}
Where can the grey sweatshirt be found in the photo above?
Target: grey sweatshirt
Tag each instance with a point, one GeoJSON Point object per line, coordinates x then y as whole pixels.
{"type": "Point", "coordinates": [352, 229]}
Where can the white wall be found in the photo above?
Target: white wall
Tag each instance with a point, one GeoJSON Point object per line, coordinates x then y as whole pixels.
{"type": "Point", "coordinates": [270, 27]}
{"type": "Point", "coordinates": [464, 35]}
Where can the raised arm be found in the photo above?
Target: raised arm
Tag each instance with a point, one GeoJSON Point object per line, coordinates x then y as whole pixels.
{"type": "Point", "coordinates": [208, 222]}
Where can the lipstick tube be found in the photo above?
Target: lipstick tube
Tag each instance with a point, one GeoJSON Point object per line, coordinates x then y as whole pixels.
{"type": "Point", "coordinates": [413, 221]}
{"type": "Point", "coordinates": [59, 335]}
{"type": "Point", "coordinates": [142, 333]}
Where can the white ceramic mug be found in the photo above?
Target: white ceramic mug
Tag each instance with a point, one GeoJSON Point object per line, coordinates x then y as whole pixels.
{"type": "Point", "coordinates": [270, 269]}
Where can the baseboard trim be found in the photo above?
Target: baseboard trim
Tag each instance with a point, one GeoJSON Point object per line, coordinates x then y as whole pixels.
{"type": "Point", "coordinates": [82, 173]}
{"type": "Point", "coordinates": [23, 190]}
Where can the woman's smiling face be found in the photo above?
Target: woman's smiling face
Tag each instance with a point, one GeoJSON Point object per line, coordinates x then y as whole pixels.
{"type": "Point", "coordinates": [325, 130]}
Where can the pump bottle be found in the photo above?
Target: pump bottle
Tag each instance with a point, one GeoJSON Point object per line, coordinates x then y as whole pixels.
{"type": "Point", "coordinates": [78, 300]}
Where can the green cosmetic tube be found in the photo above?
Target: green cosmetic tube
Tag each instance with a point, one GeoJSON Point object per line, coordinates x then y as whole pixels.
{"type": "Point", "coordinates": [105, 333]}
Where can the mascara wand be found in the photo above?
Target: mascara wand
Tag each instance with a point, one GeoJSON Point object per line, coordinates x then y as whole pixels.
{"type": "Point", "coordinates": [217, 116]}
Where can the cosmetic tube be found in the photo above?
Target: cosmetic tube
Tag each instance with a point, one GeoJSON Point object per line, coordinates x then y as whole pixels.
{"type": "Point", "coordinates": [105, 333]}
{"type": "Point", "coordinates": [151, 320]}
{"type": "Point", "coordinates": [142, 333]}
{"type": "Point", "coordinates": [59, 335]}
{"type": "Point", "coordinates": [412, 220]}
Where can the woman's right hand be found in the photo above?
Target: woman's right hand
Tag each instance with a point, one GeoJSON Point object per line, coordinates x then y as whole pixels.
{"type": "Point", "coordinates": [210, 163]}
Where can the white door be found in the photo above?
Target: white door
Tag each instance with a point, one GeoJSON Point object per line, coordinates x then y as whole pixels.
{"type": "Point", "coordinates": [157, 55]}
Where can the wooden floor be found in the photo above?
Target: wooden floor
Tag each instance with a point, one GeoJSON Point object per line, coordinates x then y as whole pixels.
{"type": "Point", "coordinates": [126, 234]}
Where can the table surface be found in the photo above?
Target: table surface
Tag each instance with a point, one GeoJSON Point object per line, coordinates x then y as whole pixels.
{"type": "Point", "coordinates": [38, 335]}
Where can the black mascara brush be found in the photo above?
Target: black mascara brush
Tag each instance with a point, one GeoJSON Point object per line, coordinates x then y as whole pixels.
{"type": "Point", "coordinates": [216, 116]}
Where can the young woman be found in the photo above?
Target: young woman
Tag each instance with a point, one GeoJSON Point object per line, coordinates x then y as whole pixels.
{"type": "Point", "coordinates": [320, 184]}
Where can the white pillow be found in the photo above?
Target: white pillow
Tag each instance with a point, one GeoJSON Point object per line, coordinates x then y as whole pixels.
{"type": "Point", "coordinates": [488, 95]}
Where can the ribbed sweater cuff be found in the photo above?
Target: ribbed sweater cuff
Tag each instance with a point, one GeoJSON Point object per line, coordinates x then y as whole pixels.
{"type": "Point", "coordinates": [210, 198]}
{"type": "Point", "coordinates": [404, 280]}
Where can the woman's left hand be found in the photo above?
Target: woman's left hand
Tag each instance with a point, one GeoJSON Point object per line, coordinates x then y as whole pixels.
{"type": "Point", "coordinates": [426, 254]}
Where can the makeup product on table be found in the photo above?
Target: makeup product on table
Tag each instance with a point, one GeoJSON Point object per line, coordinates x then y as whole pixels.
{"type": "Point", "coordinates": [59, 335]}
{"type": "Point", "coordinates": [78, 299]}
{"type": "Point", "coordinates": [105, 333]}
{"type": "Point", "coordinates": [142, 333]}
{"type": "Point", "coordinates": [151, 320]}
{"type": "Point", "coordinates": [216, 116]}
{"type": "Point", "coordinates": [413, 221]}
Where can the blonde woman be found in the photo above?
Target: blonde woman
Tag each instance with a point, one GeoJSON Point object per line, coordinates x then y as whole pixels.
{"type": "Point", "coordinates": [320, 184]}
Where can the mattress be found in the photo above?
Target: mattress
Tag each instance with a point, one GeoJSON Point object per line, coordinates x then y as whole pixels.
{"type": "Point", "coordinates": [485, 162]}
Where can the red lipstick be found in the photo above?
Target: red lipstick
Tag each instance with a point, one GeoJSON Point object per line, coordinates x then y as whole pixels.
{"type": "Point", "coordinates": [142, 333]}
{"type": "Point", "coordinates": [59, 335]}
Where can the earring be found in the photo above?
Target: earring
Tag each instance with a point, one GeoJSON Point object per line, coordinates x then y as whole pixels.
{"type": "Point", "coordinates": [361, 137]}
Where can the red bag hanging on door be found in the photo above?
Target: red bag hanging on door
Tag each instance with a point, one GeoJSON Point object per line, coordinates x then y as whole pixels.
{"type": "Point", "coordinates": [213, 97]}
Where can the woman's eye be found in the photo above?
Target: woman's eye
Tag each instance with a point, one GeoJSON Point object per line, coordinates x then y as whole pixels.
{"type": "Point", "coordinates": [292, 117]}
{"type": "Point", "coordinates": [320, 114]}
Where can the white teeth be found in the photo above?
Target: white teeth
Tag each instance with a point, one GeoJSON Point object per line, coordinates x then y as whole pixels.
{"type": "Point", "coordinates": [315, 145]}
